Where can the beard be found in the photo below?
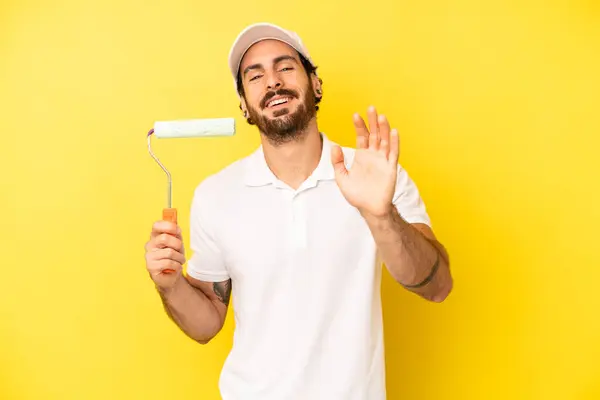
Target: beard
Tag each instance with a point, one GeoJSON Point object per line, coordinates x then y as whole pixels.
{"type": "Point", "coordinates": [285, 126]}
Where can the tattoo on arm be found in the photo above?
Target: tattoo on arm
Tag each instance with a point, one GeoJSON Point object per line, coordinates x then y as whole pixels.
{"type": "Point", "coordinates": [223, 291]}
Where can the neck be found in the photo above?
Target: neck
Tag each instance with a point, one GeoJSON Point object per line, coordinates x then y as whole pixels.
{"type": "Point", "coordinates": [293, 162]}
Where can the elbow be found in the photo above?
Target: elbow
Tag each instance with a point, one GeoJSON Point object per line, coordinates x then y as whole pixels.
{"type": "Point", "coordinates": [439, 298]}
{"type": "Point", "coordinates": [203, 340]}
{"type": "Point", "coordinates": [207, 335]}
{"type": "Point", "coordinates": [443, 292]}
{"type": "Point", "coordinates": [445, 285]}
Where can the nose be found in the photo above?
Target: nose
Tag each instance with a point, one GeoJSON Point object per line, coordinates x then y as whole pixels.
{"type": "Point", "coordinates": [273, 82]}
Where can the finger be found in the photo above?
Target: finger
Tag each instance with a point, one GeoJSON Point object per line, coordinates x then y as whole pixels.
{"type": "Point", "coordinates": [161, 241]}
{"type": "Point", "coordinates": [384, 135]}
{"type": "Point", "coordinates": [373, 128]}
{"type": "Point", "coordinates": [165, 254]}
{"type": "Point", "coordinates": [337, 160]}
{"type": "Point", "coordinates": [394, 146]}
{"type": "Point", "coordinates": [164, 264]}
{"type": "Point", "coordinates": [170, 241]}
{"type": "Point", "coordinates": [160, 227]}
{"type": "Point", "coordinates": [164, 241]}
{"type": "Point", "coordinates": [362, 133]}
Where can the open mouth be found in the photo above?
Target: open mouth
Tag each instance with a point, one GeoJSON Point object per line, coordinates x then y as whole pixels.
{"type": "Point", "coordinates": [278, 102]}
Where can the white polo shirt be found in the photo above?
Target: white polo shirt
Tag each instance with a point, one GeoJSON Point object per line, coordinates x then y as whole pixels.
{"type": "Point", "coordinates": [305, 281]}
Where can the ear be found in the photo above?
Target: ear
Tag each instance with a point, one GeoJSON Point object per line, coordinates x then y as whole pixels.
{"type": "Point", "coordinates": [243, 107]}
{"type": "Point", "coordinates": [317, 85]}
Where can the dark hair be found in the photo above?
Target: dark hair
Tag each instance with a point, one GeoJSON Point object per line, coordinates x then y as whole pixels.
{"type": "Point", "coordinates": [308, 67]}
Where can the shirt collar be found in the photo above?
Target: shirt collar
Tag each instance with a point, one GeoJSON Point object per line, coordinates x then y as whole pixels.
{"type": "Point", "coordinates": [258, 172]}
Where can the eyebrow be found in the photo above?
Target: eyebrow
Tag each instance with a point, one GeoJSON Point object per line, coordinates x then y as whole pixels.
{"type": "Point", "coordinates": [275, 61]}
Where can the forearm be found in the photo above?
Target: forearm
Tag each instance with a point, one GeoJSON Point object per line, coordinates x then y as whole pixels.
{"type": "Point", "coordinates": [416, 262]}
{"type": "Point", "coordinates": [191, 310]}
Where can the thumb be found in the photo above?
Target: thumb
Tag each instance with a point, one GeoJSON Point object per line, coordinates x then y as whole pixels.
{"type": "Point", "coordinates": [337, 159]}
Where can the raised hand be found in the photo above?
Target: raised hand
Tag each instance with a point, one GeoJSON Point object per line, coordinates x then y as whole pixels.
{"type": "Point", "coordinates": [370, 182]}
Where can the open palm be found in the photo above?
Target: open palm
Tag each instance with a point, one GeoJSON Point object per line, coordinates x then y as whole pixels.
{"type": "Point", "coordinates": [370, 182]}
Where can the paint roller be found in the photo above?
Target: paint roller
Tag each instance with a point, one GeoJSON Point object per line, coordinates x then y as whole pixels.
{"type": "Point", "coordinates": [190, 128]}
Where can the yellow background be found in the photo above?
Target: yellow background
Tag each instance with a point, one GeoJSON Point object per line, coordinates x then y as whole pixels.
{"type": "Point", "coordinates": [497, 104]}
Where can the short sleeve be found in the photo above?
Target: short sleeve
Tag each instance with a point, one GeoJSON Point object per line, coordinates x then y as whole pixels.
{"type": "Point", "coordinates": [207, 261]}
{"type": "Point", "coordinates": [408, 201]}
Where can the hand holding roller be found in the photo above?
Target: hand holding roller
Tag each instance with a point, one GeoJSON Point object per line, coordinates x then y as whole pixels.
{"type": "Point", "coordinates": [192, 128]}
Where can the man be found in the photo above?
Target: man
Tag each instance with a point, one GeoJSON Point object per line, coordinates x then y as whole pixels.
{"type": "Point", "coordinates": [297, 232]}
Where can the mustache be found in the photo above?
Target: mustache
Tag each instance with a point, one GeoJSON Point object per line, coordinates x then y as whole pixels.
{"type": "Point", "coordinates": [280, 92]}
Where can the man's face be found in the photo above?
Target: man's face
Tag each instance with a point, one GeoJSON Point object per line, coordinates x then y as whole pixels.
{"type": "Point", "coordinates": [279, 95]}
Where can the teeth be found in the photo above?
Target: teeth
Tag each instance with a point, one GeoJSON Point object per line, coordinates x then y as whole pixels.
{"type": "Point", "coordinates": [277, 102]}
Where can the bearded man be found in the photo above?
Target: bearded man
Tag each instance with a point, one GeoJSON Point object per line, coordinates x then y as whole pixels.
{"type": "Point", "coordinates": [298, 233]}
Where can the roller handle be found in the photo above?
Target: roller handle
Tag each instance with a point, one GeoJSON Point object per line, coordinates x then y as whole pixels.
{"type": "Point", "coordinates": [169, 214]}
